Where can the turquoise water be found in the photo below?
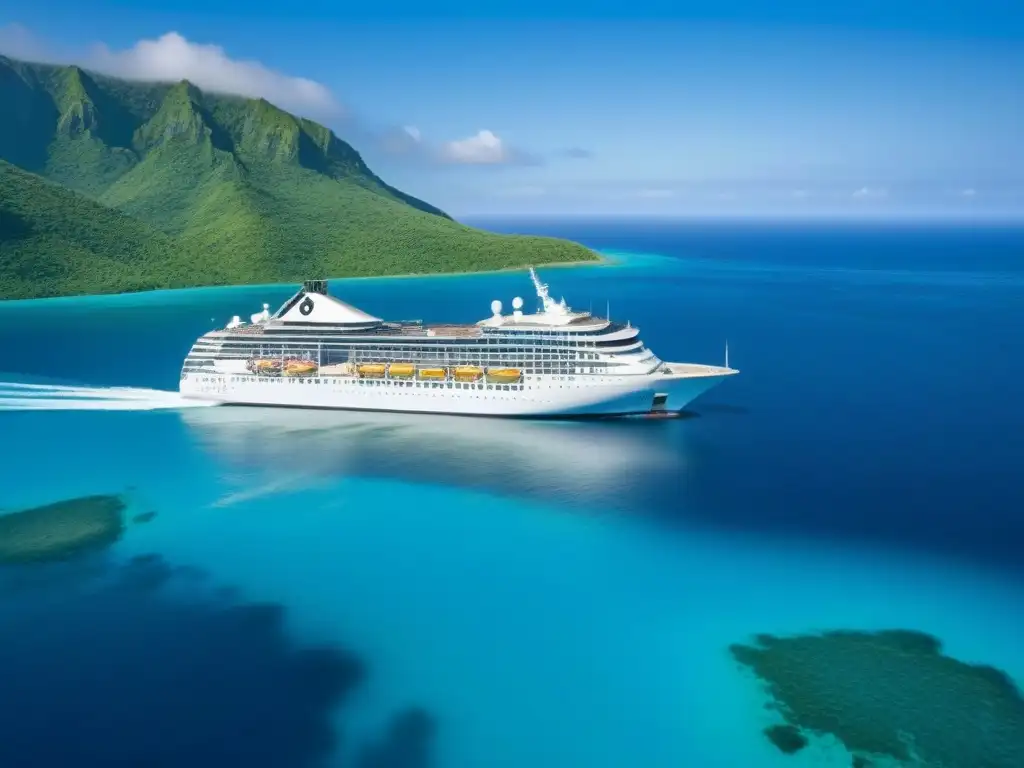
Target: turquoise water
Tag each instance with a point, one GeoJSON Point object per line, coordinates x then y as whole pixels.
{"type": "Point", "coordinates": [557, 594]}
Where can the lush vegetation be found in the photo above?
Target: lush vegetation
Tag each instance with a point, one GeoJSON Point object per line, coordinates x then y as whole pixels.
{"type": "Point", "coordinates": [108, 186]}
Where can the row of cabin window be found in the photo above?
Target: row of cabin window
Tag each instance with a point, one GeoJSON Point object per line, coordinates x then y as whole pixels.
{"type": "Point", "coordinates": [382, 382]}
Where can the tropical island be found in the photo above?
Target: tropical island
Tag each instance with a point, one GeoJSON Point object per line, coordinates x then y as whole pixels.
{"type": "Point", "coordinates": [111, 186]}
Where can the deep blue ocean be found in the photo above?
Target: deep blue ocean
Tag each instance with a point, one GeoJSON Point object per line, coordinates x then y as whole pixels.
{"type": "Point", "coordinates": [387, 591]}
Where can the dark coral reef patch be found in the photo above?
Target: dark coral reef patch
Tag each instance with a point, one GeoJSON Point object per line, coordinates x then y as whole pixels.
{"type": "Point", "coordinates": [891, 694]}
{"type": "Point", "coordinates": [787, 738]}
{"type": "Point", "coordinates": [407, 743]}
{"type": "Point", "coordinates": [62, 529]}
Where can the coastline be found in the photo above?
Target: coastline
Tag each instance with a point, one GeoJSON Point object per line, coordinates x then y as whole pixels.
{"type": "Point", "coordinates": [602, 260]}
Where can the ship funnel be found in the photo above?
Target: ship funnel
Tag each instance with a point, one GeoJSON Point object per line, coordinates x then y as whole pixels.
{"type": "Point", "coordinates": [315, 286]}
{"type": "Point", "coordinates": [496, 308]}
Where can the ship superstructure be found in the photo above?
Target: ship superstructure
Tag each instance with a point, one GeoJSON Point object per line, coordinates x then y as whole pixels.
{"type": "Point", "coordinates": [318, 351]}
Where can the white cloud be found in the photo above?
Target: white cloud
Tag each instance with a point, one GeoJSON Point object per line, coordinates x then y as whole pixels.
{"type": "Point", "coordinates": [870, 193]}
{"type": "Point", "coordinates": [484, 148]}
{"type": "Point", "coordinates": [969, 192]}
{"type": "Point", "coordinates": [171, 58]}
{"type": "Point", "coordinates": [412, 146]}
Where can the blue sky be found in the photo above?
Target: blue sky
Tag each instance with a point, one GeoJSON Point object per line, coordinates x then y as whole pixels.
{"type": "Point", "coordinates": [748, 108]}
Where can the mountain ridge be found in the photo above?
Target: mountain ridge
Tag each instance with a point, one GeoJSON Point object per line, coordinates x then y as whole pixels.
{"type": "Point", "coordinates": [230, 189]}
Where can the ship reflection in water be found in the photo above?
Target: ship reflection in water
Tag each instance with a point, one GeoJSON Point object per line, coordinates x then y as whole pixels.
{"type": "Point", "coordinates": [601, 465]}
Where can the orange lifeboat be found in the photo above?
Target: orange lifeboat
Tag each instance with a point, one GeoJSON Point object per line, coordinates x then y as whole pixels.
{"type": "Point", "coordinates": [300, 368]}
{"type": "Point", "coordinates": [265, 365]}
{"type": "Point", "coordinates": [371, 369]}
{"type": "Point", "coordinates": [504, 375]}
{"type": "Point", "coordinates": [468, 373]}
{"type": "Point", "coordinates": [401, 370]}
{"type": "Point", "coordinates": [433, 373]}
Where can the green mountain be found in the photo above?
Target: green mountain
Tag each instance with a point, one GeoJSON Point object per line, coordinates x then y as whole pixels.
{"type": "Point", "coordinates": [108, 185]}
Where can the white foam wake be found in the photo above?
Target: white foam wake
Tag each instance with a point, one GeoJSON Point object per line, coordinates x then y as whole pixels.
{"type": "Point", "coordinates": [18, 396]}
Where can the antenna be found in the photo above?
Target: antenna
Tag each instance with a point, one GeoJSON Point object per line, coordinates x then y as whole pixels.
{"type": "Point", "coordinates": [542, 291]}
{"type": "Point", "coordinates": [726, 353]}
{"type": "Point", "coordinates": [608, 310]}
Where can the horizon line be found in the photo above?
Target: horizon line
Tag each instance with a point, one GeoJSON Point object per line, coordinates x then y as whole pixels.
{"type": "Point", "coordinates": [1016, 218]}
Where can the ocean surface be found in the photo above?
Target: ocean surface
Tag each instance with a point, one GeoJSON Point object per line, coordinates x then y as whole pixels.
{"type": "Point", "coordinates": [386, 591]}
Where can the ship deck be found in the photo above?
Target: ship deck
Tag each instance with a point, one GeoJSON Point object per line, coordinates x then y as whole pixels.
{"type": "Point", "coordinates": [389, 329]}
{"type": "Point", "coordinates": [414, 328]}
{"type": "Point", "coordinates": [696, 370]}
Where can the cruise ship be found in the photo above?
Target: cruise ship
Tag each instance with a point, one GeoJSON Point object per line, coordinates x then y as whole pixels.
{"type": "Point", "coordinates": [317, 351]}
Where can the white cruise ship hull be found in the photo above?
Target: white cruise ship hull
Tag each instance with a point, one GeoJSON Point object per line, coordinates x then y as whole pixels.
{"type": "Point", "coordinates": [539, 397]}
{"type": "Point", "coordinates": [317, 351]}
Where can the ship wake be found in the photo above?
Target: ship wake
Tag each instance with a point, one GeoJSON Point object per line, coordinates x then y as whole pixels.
{"type": "Point", "coordinates": [19, 396]}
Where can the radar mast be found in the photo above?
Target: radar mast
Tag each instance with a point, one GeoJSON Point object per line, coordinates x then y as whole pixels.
{"type": "Point", "coordinates": [549, 305]}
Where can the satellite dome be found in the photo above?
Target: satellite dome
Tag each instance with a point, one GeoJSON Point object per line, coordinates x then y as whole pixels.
{"type": "Point", "coordinates": [517, 302]}
{"type": "Point", "coordinates": [496, 307]}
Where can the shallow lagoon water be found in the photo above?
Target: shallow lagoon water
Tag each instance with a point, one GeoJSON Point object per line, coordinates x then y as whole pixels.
{"type": "Point", "coordinates": [564, 594]}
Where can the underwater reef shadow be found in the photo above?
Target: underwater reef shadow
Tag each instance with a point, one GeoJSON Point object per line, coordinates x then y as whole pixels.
{"type": "Point", "coordinates": [406, 744]}
{"type": "Point", "coordinates": [140, 663]}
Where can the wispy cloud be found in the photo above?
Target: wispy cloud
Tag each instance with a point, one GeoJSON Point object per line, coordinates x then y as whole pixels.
{"type": "Point", "coordinates": [969, 192]}
{"type": "Point", "coordinates": [870, 193]}
{"type": "Point", "coordinates": [686, 197]}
